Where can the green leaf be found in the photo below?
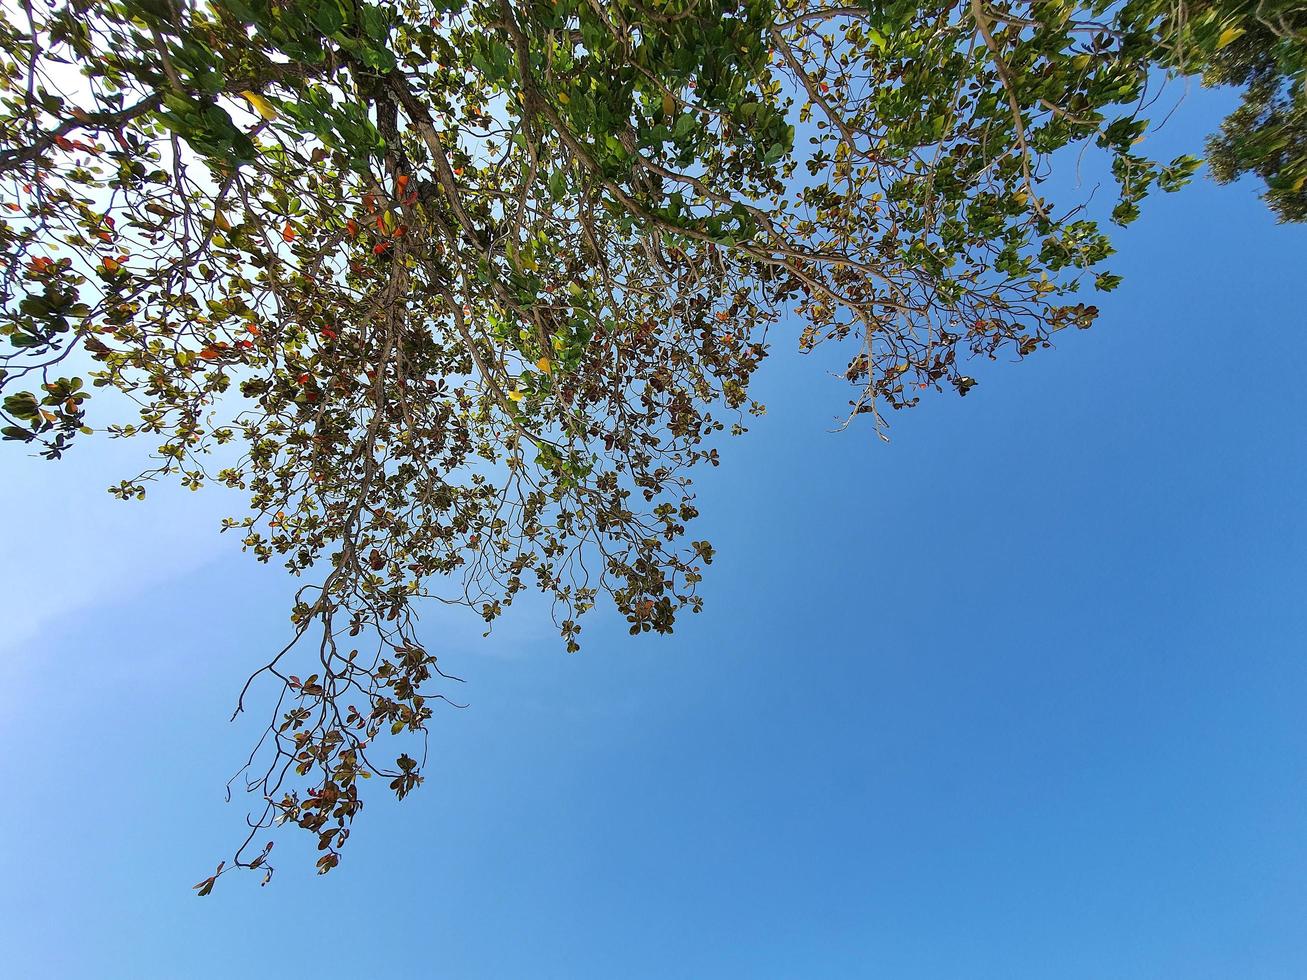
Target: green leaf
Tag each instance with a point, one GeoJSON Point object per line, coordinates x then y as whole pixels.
{"type": "Point", "coordinates": [329, 16]}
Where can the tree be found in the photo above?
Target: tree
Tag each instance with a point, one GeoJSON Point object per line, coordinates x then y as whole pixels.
{"type": "Point", "coordinates": [459, 291]}
{"type": "Point", "coordinates": [1262, 47]}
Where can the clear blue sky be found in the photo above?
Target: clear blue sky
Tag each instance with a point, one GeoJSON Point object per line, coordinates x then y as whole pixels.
{"type": "Point", "coordinates": [1020, 694]}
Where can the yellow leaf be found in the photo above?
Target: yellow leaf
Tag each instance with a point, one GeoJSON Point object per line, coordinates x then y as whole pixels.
{"type": "Point", "coordinates": [515, 395]}
{"type": "Point", "coordinates": [669, 104]}
{"type": "Point", "coordinates": [564, 98]}
{"type": "Point", "coordinates": [544, 365]}
{"type": "Point", "coordinates": [220, 221]}
{"type": "Point", "coordinates": [1228, 35]}
{"type": "Point", "coordinates": [261, 105]}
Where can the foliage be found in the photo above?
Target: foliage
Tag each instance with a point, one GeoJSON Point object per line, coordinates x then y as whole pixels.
{"type": "Point", "coordinates": [1262, 47]}
{"type": "Point", "coordinates": [459, 291]}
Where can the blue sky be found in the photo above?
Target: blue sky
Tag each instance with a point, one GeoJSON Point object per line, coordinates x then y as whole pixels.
{"type": "Point", "coordinates": [1019, 694]}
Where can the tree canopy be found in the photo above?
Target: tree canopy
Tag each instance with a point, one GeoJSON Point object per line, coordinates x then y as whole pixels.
{"type": "Point", "coordinates": [459, 292]}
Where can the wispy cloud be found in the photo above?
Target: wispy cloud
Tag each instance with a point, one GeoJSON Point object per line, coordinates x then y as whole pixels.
{"type": "Point", "coordinates": [70, 546]}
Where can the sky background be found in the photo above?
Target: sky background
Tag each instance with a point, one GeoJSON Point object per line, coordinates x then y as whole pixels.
{"type": "Point", "coordinates": [1019, 694]}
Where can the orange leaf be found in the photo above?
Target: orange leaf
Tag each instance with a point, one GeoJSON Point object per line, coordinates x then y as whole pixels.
{"type": "Point", "coordinates": [288, 233]}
